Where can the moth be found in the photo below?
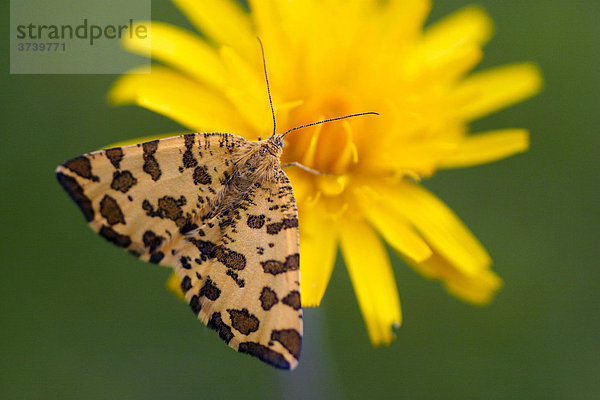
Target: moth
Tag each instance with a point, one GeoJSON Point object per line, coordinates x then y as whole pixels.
{"type": "Point", "coordinates": [220, 211]}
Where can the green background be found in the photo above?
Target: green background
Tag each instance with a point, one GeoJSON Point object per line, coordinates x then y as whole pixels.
{"type": "Point", "coordinates": [82, 320]}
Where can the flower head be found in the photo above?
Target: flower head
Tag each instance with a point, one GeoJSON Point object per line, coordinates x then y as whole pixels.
{"type": "Point", "coordinates": [331, 58]}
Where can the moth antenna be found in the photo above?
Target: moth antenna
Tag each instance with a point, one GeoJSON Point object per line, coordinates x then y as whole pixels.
{"type": "Point", "coordinates": [262, 50]}
{"type": "Point", "coordinates": [329, 120]}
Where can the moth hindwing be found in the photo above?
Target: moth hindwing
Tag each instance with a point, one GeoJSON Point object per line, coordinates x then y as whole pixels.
{"type": "Point", "coordinates": [220, 211]}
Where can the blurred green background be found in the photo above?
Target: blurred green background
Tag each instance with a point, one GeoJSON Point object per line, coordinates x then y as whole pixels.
{"type": "Point", "coordinates": [83, 320]}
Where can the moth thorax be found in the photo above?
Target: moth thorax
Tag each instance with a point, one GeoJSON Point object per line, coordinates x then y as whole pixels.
{"type": "Point", "coordinates": [256, 162]}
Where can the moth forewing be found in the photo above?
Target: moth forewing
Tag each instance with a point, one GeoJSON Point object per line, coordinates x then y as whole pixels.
{"type": "Point", "coordinates": [220, 211]}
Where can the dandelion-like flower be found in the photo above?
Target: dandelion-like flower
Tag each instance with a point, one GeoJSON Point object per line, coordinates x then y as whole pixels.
{"type": "Point", "coordinates": [331, 58]}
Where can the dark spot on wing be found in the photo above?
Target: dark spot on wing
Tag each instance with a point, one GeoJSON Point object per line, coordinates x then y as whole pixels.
{"type": "Point", "coordinates": [185, 262]}
{"type": "Point", "coordinates": [115, 156]}
{"type": "Point", "coordinates": [188, 226]}
{"type": "Point", "coordinates": [152, 240]}
{"type": "Point", "coordinates": [229, 258]}
{"type": "Point", "coordinates": [256, 221]}
{"type": "Point", "coordinates": [188, 157]}
{"type": "Point", "coordinates": [290, 223]}
{"type": "Point", "coordinates": [274, 228]}
{"type": "Point", "coordinates": [243, 321]}
{"type": "Point", "coordinates": [287, 223]}
{"type": "Point", "coordinates": [290, 339]}
{"type": "Point", "coordinates": [123, 181]}
{"type": "Point", "coordinates": [210, 290]}
{"type": "Point", "coordinates": [264, 354]}
{"type": "Point", "coordinates": [114, 237]}
{"type": "Point", "coordinates": [110, 210]}
{"type": "Point", "coordinates": [189, 140]}
{"type": "Point", "coordinates": [274, 267]}
{"type": "Point", "coordinates": [82, 167]}
{"type": "Point", "coordinates": [236, 278]}
{"type": "Point", "coordinates": [195, 304]}
{"type": "Point", "coordinates": [221, 327]}
{"type": "Point", "coordinates": [76, 193]}
{"type": "Point", "coordinates": [268, 298]}
{"type": "Point", "coordinates": [151, 166]}
{"type": "Point", "coordinates": [292, 300]}
{"type": "Point", "coordinates": [186, 284]}
{"type": "Point", "coordinates": [201, 176]}
{"type": "Point", "coordinates": [168, 207]}
{"type": "Point", "coordinates": [156, 257]}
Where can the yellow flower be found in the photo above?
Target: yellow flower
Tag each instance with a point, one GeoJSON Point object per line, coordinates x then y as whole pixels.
{"type": "Point", "coordinates": [328, 58]}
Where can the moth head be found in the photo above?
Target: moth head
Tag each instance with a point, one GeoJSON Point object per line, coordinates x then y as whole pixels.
{"type": "Point", "coordinates": [274, 145]}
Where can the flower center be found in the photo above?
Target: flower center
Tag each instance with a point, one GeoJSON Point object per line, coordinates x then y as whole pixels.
{"type": "Point", "coordinates": [330, 147]}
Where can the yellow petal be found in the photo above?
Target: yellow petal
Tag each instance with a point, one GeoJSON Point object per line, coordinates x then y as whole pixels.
{"type": "Point", "coordinates": [486, 147]}
{"type": "Point", "coordinates": [469, 25]}
{"type": "Point", "coordinates": [310, 152]}
{"type": "Point", "coordinates": [174, 285]}
{"type": "Point", "coordinates": [404, 18]}
{"type": "Point", "coordinates": [223, 21]}
{"type": "Point", "coordinates": [488, 91]}
{"type": "Point", "coordinates": [178, 97]}
{"type": "Point", "coordinates": [303, 188]}
{"type": "Point", "coordinates": [347, 152]}
{"type": "Point", "coordinates": [280, 49]}
{"type": "Point", "coordinates": [393, 226]}
{"type": "Point", "coordinates": [448, 68]}
{"type": "Point", "coordinates": [372, 278]}
{"type": "Point", "coordinates": [247, 90]}
{"type": "Point", "coordinates": [444, 232]}
{"type": "Point", "coordinates": [420, 156]}
{"type": "Point", "coordinates": [318, 249]}
{"type": "Point", "coordinates": [450, 47]}
{"type": "Point", "coordinates": [398, 232]}
{"type": "Point", "coordinates": [477, 289]}
{"type": "Point", "coordinates": [181, 49]}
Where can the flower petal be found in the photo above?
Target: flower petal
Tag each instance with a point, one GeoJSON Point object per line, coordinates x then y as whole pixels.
{"type": "Point", "coordinates": [451, 47]}
{"type": "Point", "coordinates": [280, 48]}
{"type": "Point", "coordinates": [420, 157]}
{"type": "Point", "coordinates": [440, 227]}
{"type": "Point", "coordinates": [468, 25]}
{"type": "Point", "coordinates": [174, 285]}
{"type": "Point", "coordinates": [318, 249]}
{"type": "Point", "coordinates": [393, 226]}
{"type": "Point", "coordinates": [478, 289]}
{"type": "Point", "coordinates": [397, 231]}
{"type": "Point", "coordinates": [486, 147]}
{"type": "Point", "coordinates": [247, 90]}
{"type": "Point", "coordinates": [181, 49]}
{"type": "Point", "coordinates": [224, 21]}
{"type": "Point", "coordinates": [178, 97]}
{"type": "Point", "coordinates": [488, 91]}
{"type": "Point", "coordinates": [404, 19]}
{"type": "Point", "coordinates": [372, 278]}
{"type": "Point", "coordinates": [447, 68]}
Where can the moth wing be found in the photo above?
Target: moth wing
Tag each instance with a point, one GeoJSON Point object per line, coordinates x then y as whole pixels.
{"type": "Point", "coordinates": [142, 197]}
{"type": "Point", "coordinates": [242, 274]}
{"type": "Point", "coordinates": [240, 270]}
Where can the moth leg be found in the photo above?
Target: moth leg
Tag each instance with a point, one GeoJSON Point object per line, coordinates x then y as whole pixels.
{"type": "Point", "coordinates": [312, 171]}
